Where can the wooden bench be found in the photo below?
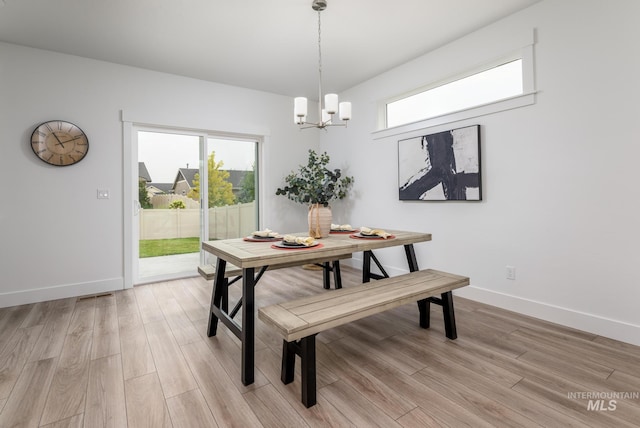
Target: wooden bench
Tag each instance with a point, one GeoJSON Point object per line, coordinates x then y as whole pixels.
{"type": "Point", "coordinates": [298, 321]}
{"type": "Point", "coordinates": [208, 272]}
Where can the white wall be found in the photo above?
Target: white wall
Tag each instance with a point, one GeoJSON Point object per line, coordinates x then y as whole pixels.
{"type": "Point", "coordinates": [559, 177]}
{"type": "Point", "coordinates": [69, 242]}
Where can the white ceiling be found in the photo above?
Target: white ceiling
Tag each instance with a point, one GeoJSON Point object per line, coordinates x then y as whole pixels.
{"type": "Point", "coordinates": [269, 45]}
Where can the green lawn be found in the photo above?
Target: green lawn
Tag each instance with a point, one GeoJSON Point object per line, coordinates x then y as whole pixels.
{"type": "Point", "coordinates": [167, 247]}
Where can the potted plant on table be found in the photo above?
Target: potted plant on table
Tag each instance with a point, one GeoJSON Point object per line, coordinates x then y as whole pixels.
{"type": "Point", "coordinates": [316, 185]}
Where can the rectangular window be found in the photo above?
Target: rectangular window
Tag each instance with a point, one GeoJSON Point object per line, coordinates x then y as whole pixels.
{"type": "Point", "coordinates": [488, 86]}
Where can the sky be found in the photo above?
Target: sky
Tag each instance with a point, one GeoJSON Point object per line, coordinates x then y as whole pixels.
{"type": "Point", "coordinates": [163, 154]}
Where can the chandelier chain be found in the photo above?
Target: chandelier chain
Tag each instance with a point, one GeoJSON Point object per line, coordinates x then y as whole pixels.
{"type": "Point", "coordinates": [319, 65]}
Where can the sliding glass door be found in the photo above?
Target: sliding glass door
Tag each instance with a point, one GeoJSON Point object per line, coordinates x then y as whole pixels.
{"type": "Point", "coordinates": [190, 187]}
{"type": "Point", "coordinates": [169, 215]}
{"type": "Point", "coordinates": [232, 206]}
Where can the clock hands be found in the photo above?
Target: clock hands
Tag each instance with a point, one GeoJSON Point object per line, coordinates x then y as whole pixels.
{"type": "Point", "coordinates": [71, 139]}
{"type": "Point", "coordinates": [60, 143]}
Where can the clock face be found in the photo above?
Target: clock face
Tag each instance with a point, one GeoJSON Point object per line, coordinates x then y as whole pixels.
{"type": "Point", "coordinates": [59, 143]}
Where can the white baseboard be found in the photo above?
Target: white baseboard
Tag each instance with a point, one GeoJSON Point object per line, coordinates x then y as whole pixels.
{"type": "Point", "coordinates": [591, 323]}
{"type": "Point", "coordinates": [34, 295]}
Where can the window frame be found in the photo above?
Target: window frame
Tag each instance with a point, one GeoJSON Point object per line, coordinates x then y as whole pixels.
{"type": "Point", "coordinates": [526, 98]}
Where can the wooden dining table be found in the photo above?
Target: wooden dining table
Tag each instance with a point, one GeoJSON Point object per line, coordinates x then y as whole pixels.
{"type": "Point", "coordinates": [249, 255]}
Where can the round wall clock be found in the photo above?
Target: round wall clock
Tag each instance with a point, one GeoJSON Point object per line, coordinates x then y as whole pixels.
{"type": "Point", "coordinates": [59, 143]}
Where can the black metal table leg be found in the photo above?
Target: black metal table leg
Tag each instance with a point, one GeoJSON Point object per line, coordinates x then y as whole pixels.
{"type": "Point", "coordinates": [326, 278]}
{"type": "Point", "coordinates": [411, 257]}
{"type": "Point", "coordinates": [337, 277]}
{"type": "Point", "coordinates": [423, 305]}
{"type": "Point", "coordinates": [248, 325]}
{"type": "Point", "coordinates": [366, 266]}
{"type": "Point", "coordinates": [218, 296]}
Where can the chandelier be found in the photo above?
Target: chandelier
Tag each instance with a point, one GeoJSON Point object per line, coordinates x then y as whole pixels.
{"type": "Point", "coordinates": [331, 105]}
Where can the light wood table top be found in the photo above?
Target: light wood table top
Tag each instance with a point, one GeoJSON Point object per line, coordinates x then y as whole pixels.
{"type": "Point", "coordinates": [245, 254]}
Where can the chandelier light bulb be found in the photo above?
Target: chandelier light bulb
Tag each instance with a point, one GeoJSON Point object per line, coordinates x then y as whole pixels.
{"type": "Point", "coordinates": [300, 106]}
{"type": "Point", "coordinates": [345, 110]}
{"type": "Point", "coordinates": [331, 103]}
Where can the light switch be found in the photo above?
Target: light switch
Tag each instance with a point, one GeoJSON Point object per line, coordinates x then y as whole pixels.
{"type": "Point", "coordinates": [103, 193]}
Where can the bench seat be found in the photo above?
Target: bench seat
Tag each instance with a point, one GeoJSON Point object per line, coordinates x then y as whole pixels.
{"type": "Point", "coordinates": [299, 320]}
{"type": "Point", "coordinates": [208, 272]}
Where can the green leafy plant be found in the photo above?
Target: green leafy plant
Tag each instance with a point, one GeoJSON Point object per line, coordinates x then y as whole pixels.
{"type": "Point", "coordinates": [177, 205]}
{"type": "Point", "coordinates": [314, 183]}
{"type": "Point", "coordinates": [143, 195]}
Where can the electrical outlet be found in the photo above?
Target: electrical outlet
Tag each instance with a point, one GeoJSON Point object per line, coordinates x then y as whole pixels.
{"type": "Point", "coordinates": [103, 193]}
{"type": "Point", "coordinates": [511, 272]}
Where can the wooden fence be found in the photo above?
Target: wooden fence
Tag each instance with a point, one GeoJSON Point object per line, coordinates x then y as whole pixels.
{"type": "Point", "coordinates": [231, 221]}
{"type": "Point", "coordinates": [163, 201]}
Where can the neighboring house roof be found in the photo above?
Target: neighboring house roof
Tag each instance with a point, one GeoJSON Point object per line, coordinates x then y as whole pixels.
{"type": "Point", "coordinates": [188, 174]}
{"type": "Point", "coordinates": [160, 187]}
{"type": "Point", "coordinates": [185, 174]}
{"type": "Point", "coordinates": [143, 173]}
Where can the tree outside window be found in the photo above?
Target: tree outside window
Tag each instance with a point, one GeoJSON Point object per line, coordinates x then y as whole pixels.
{"type": "Point", "coordinates": [248, 187]}
{"type": "Point", "coordinates": [220, 189]}
{"type": "Point", "coordinates": [143, 195]}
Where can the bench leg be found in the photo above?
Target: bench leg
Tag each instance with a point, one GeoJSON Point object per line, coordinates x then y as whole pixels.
{"type": "Point", "coordinates": [288, 362]}
{"type": "Point", "coordinates": [306, 349]}
{"type": "Point", "coordinates": [308, 370]}
{"type": "Point", "coordinates": [449, 316]}
{"type": "Point", "coordinates": [424, 307]}
{"type": "Point", "coordinates": [446, 301]}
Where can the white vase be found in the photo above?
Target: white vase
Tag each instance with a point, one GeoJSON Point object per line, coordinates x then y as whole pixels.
{"type": "Point", "coordinates": [319, 221]}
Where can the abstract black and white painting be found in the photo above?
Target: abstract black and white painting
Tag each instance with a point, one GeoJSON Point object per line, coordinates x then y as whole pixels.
{"type": "Point", "coordinates": [444, 166]}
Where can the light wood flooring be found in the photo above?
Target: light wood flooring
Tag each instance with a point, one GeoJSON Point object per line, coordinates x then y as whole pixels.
{"type": "Point", "coordinates": [141, 358]}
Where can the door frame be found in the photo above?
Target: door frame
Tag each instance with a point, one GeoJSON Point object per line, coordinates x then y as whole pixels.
{"type": "Point", "coordinates": [130, 180]}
